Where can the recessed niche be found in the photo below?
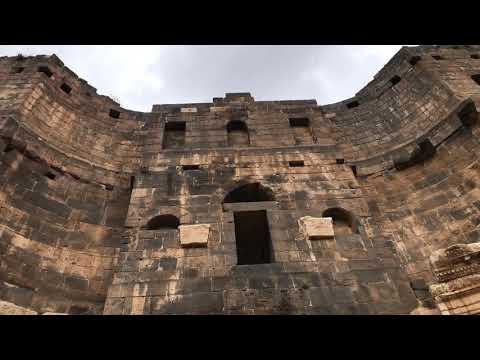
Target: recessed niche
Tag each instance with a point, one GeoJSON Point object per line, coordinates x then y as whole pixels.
{"type": "Point", "coordinates": [476, 78]}
{"type": "Point", "coordinates": [50, 175]}
{"type": "Point", "coordinates": [353, 104]}
{"type": "Point", "coordinates": [114, 114]}
{"type": "Point", "coordinates": [414, 60]}
{"type": "Point", "coordinates": [66, 88]}
{"type": "Point", "coordinates": [45, 70]}
{"type": "Point", "coordinates": [190, 167]}
{"type": "Point", "coordinates": [17, 69]}
{"type": "Point", "coordinates": [395, 80]}
{"type": "Point", "coordinates": [354, 170]}
{"type": "Point", "coordinates": [296, 163]}
{"type": "Point", "coordinates": [299, 122]}
{"type": "Point", "coordinates": [174, 135]}
{"type": "Point", "coordinates": [438, 57]}
{"type": "Point", "coordinates": [475, 56]}
{"type": "Point", "coordinates": [237, 133]}
{"type": "Point", "coordinates": [340, 161]}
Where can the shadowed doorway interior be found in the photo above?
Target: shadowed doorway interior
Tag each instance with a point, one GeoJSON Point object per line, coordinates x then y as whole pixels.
{"type": "Point", "coordinates": [252, 237]}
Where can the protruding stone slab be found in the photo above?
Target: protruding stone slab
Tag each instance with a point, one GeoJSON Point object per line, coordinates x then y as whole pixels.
{"type": "Point", "coordinates": [194, 235]}
{"type": "Point", "coordinates": [8, 308]}
{"type": "Point", "coordinates": [188, 110]}
{"type": "Point", "coordinates": [316, 228]}
{"type": "Point", "coordinates": [54, 313]}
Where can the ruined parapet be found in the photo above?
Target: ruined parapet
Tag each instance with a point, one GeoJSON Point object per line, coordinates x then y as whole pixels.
{"type": "Point", "coordinates": [457, 270]}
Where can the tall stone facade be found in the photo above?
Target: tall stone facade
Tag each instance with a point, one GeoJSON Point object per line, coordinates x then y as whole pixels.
{"type": "Point", "coordinates": [367, 206]}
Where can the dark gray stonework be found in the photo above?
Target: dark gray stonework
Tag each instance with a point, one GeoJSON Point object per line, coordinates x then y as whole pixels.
{"type": "Point", "coordinates": [97, 202]}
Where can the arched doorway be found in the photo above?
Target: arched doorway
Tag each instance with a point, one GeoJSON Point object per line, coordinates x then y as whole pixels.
{"type": "Point", "coordinates": [252, 233]}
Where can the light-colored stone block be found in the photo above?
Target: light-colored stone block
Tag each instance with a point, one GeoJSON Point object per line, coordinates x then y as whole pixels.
{"type": "Point", "coordinates": [316, 228]}
{"type": "Point", "coordinates": [8, 308]}
{"type": "Point", "coordinates": [53, 313]}
{"type": "Point", "coordinates": [218, 109]}
{"type": "Point", "coordinates": [194, 235]}
{"type": "Point", "coordinates": [189, 110]}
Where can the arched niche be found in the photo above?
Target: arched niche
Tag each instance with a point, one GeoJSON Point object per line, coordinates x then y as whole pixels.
{"type": "Point", "coordinates": [163, 222]}
{"type": "Point", "coordinates": [254, 192]}
{"type": "Point", "coordinates": [344, 223]}
{"type": "Point", "coordinates": [252, 230]}
{"type": "Point", "coordinates": [237, 133]}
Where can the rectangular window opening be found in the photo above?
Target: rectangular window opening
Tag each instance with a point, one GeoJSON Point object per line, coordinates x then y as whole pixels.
{"type": "Point", "coordinates": [414, 60]}
{"type": "Point", "coordinates": [353, 104]}
{"type": "Point", "coordinates": [174, 135]}
{"type": "Point", "coordinates": [190, 167]}
{"type": "Point", "coordinates": [299, 122]}
{"type": "Point", "coordinates": [296, 163]}
{"type": "Point", "coordinates": [476, 78]}
{"type": "Point", "coordinates": [65, 88]}
{"type": "Point", "coordinates": [340, 161]}
{"type": "Point", "coordinates": [108, 187]}
{"type": "Point", "coordinates": [252, 236]}
{"type": "Point", "coordinates": [354, 170]}
{"type": "Point", "coordinates": [114, 114]}
{"type": "Point", "coordinates": [132, 183]}
{"type": "Point", "coordinates": [395, 80]}
{"type": "Point", "coordinates": [45, 70]}
{"type": "Point", "coordinates": [9, 148]}
{"type": "Point", "coordinates": [438, 57]}
{"type": "Point", "coordinates": [475, 56]}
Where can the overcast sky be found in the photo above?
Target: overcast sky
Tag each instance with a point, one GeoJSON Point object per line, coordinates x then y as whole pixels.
{"type": "Point", "coordinates": [140, 76]}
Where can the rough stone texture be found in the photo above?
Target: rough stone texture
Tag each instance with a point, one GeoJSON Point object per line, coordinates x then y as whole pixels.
{"type": "Point", "coordinates": [7, 308]}
{"type": "Point", "coordinates": [316, 228]}
{"type": "Point", "coordinates": [457, 270]}
{"type": "Point", "coordinates": [396, 167]}
{"type": "Point", "coordinates": [194, 235]}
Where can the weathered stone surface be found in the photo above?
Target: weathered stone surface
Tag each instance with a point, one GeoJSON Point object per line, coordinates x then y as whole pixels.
{"type": "Point", "coordinates": [92, 195]}
{"type": "Point", "coordinates": [7, 308]}
{"type": "Point", "coordinates": [316, 228]}
{"type": "Point", "coordinates": [194, 235]}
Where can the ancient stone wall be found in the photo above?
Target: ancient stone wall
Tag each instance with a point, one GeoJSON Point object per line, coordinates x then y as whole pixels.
{"type": "Point", "coordinates": [237, 206]}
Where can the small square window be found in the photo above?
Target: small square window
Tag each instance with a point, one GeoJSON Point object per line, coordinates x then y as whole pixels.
{"type": "Point", "coordinates": [414, 60]}
{"type": "Point", "coordinates": [45, 70]}
{"type": "Point", "coordinates": [108, 187]}
{"type": "Point", "coordinates": [299, 122]}
{"type": "Point", "coordinates": [296, 163]}
{"type": "Point", "coordinates": [17, 70]}
{"type": "Point", "coordinates": [65, 88]}
{"type": "Point", "coordinates": [353, 104]}
{"type": "Point", "coordinates": [114, 114]}
{"type": "Point", "coordinates": [190, 167]}
{"type": "Point", "coordinates": [395, 80]}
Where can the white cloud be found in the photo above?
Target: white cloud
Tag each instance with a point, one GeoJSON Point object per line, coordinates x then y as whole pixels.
{"type": "Point", "coordinates": [140, 76]}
